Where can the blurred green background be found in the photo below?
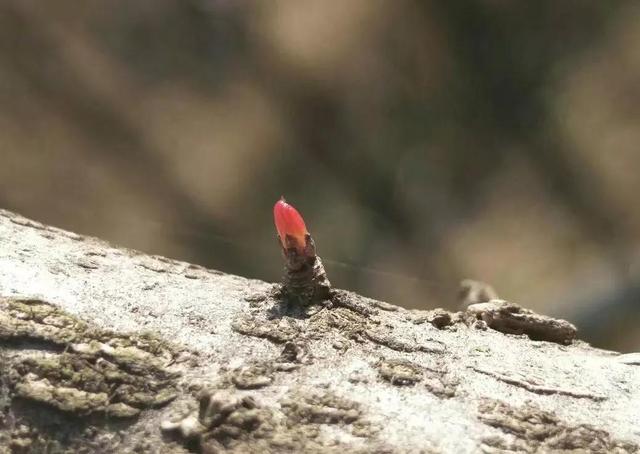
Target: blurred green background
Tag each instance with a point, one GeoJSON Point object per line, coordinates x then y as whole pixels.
{"type": "Point", "coordinates": [424, 142]}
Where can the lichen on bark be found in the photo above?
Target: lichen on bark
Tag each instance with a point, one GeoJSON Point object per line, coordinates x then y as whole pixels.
{"type": "Point", "coordinates": [54, 360]}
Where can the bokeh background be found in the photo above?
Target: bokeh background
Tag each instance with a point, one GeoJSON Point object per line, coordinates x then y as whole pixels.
{"type": "Point", "coordinates": [424, 142]}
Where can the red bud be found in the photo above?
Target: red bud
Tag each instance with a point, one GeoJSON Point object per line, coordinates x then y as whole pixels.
{"type": "Point", "coordinates": [290, 224]}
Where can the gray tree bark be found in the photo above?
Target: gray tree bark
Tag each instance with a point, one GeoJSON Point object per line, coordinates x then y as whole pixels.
{"type": "Point", "coordinates": [104, 349]}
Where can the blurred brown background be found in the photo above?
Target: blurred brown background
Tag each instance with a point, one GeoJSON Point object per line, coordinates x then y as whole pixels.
{"type": "Point", "coordinates": [424, 142]}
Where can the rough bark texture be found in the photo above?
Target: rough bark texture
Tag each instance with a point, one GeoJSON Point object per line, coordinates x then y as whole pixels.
{"type": "Point", "coordinates": [109, 350]}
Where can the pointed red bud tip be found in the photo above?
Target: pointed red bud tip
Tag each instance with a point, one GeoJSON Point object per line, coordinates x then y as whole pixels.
{"type": "Point", "coordinates": [289, 222]}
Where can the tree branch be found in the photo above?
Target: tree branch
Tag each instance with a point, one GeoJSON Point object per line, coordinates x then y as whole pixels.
{"type": "Point", "coordinates": [111, 350]}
